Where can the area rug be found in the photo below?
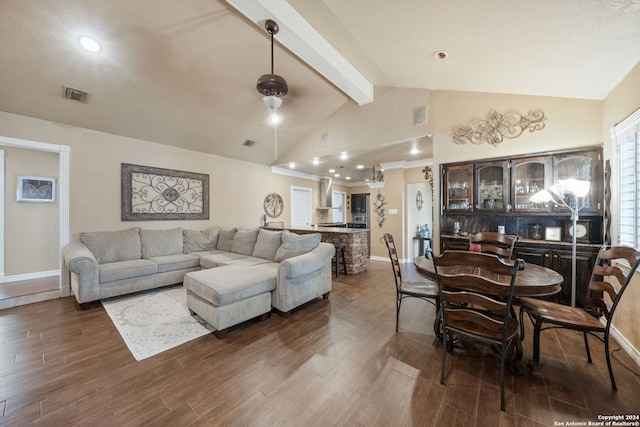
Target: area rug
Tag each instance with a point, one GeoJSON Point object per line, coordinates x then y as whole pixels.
{"type": "Point", "coordinates": [154, 321]}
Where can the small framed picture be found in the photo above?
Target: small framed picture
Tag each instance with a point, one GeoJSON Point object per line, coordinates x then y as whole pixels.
{"type": "Point", "coordinates": [552, 233]}
{"type": "Point", "coordinates": [36, 189]}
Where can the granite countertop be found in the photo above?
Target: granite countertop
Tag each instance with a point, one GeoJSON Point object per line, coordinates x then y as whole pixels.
{"type": "Point", "coordinates": [340, 230]}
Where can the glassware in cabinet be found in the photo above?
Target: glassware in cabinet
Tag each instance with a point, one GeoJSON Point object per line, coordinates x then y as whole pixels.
{"type": "Point", "coordinates": [458, 188]}
{"type": "Point", "coordinates": [528, 176]}
{"type": "Point", "coordinates": [492, 180]}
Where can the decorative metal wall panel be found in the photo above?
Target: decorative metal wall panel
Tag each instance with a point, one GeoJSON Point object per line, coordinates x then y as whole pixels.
{"type": "Point", "coordinates": [498, 126]}
{"type": "Point", "coordinates": [151, 194]}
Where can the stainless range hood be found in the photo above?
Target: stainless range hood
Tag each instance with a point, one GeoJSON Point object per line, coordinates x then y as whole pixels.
{"type": "Point", "coordinates": [325, 198]}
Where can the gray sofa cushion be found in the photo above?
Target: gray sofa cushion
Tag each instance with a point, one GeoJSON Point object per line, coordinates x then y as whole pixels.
{"type": "Point", "coordinates": [161, 242]}
{"type": "Point", "coordinates": [226, 285]}
{"type": "Point", "coordinates": [296, 244]}
{"type": "Point", "coordinates": [175, 262]}
{"type": "Point", "coordinates": [220, 258]}
{"type": "Point", "coordinates": [196, 240]}
{"type": "Point", "coordinates": [244, 241]}
{"type": "Point", "coordinates": [225, 238]}
{"type": "Point", "coordinates": [113, 246]}
{"type": "Point", "coordinates": [113, 271]}
{"type": "Point", "coordinates": [267, 244]}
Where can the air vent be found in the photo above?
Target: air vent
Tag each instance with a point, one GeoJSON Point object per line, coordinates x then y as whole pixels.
{"type": "Point", "coordinates": [249, 143]}
{"type": "Point", "coordinates": [74, 94]}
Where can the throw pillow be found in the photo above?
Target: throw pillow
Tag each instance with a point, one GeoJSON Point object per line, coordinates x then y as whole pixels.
{"type": "Point", "coordinates": [161, 242]}
{"type": "Point", "coordinates": [113, 246]}
{"type": "Point", "coordinates": [196, 240]}
{"type": "Point", "coordinates": [225, 238]}
{"type": "Point", "coordinates": [267, 244]}
{"type": "Point", "coordinates": [296, 244]}
{"type": "Point", "coordinates": [244, 241]}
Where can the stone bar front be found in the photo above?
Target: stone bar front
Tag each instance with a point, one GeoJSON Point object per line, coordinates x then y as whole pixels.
{"type": "Point", "coordinates": [355, 241]}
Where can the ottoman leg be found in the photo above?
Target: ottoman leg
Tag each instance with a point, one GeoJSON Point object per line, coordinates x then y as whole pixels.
{"type": "Point", "coordinates": [264, 316]}
{"type": "Point", "coordinates": [325, 296]}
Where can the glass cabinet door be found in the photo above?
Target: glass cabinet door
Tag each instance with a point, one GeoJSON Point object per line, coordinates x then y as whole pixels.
{"type": "Point", "coordinates": [528, 176]}
{"type": "Point", "coordinates": [581, 166]}
{"type": "Point", "coordinates": [458, 188]}
{"type": "Point", "coordinates": [492, 180]}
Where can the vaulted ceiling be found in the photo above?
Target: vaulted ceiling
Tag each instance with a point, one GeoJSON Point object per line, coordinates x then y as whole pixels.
{"type": "Point", "coordinates": [183, 73]}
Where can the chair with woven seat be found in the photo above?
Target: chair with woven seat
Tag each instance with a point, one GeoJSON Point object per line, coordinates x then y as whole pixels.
{"type": "Point", "coordinates": [424, 289]}
{"type": "Point", "coordinates": [611, 274]}
{"type": "Point", "coordinates": [476, 291]}
{"type": "Point", "coordinates": [494, 243]}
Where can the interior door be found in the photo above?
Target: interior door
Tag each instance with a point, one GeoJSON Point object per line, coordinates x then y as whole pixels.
{"type": "Point", "coordinates": [300, 206]}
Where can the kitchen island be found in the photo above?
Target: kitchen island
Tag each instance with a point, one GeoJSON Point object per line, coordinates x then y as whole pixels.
{"type": "Point", "coordinates": [355, 241]}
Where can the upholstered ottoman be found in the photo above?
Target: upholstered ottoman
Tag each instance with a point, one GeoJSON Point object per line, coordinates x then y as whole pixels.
{"type": "Point", "coordinates": [228, 295]}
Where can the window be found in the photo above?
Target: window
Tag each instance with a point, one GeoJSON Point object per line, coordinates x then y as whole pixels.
{"type": "Point", "coordinates": [338, 205]}
{"type": "Point", "coordinates": [626, 136]}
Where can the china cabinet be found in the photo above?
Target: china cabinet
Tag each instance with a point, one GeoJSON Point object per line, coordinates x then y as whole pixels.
{"type": "Point", "coordinates": [487, 194]}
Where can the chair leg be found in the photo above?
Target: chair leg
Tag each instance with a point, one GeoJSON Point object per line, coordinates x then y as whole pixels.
{"type": "Point", "coordinates": [444, 354]}
{"type": "Point", "coordinates": [537, 328]}
{"type": "Point", "coordinates": [522, 323]}
{"type": "Point", "coordinates": [503, 352]}
{"type": "Point", "coordinates": [606, 349]}
{"type": "Point", "coordinates": [586, 346]}
{"type": "Point", "coordinates": [398, 303]}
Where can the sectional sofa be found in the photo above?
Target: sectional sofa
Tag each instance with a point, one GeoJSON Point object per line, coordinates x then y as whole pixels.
{"type": "Point", "coordinates": [107, 264]}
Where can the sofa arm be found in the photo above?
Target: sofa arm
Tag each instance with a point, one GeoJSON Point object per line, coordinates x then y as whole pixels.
{"type": "Point", "coordinates": [303, 264]}
{"type": "Point", "coordinates": [81, 261]}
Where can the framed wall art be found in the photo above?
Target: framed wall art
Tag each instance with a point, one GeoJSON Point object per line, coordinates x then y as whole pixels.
{"type": "Point", "coordinates": [151, 194]}
{"type": "Point", "coordinates": [36, 189]}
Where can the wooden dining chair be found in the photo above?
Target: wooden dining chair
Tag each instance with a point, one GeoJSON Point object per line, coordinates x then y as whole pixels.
{"type": "Point", "coordinates": [611, 274]}
{"type": "Point", "coordinates": [424, 289]}
{"type": "Point", "coordinates": [476, 290]}
{"type": "Point", "coordinates": [494, 243]}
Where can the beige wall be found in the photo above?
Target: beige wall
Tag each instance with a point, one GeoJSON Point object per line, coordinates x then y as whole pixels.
{"type": "Point", "coordinates": [31, 229]}
{"type": "Point", "coordinates": [623, 100]}
{"type": "Point", "coordinates": [237, 189]}
{"type": "Point", "coordinates": [570, 123]}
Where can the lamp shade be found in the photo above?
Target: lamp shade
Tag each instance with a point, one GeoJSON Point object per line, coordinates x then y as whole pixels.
{"type": "Point", "coordinates": [542, 196]}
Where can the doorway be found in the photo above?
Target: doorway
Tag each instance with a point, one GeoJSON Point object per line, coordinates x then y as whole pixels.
{"type": "Point", "coordinates": [63, 152]}
{"type": "Point", "coordinates": [419, 212]}
{"type": "Point", "coordinates": [300, 206]}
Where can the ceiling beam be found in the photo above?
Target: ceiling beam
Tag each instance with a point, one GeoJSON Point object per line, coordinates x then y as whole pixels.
{"type": "Point", "coordinates": [297, 35]}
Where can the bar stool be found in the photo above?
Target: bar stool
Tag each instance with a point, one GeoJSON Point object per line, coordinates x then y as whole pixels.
{"type": "Point", "coordinates": [336, 263]}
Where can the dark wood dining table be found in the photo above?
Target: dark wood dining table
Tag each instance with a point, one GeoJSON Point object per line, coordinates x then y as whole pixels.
{"type": "Point", "coordinates": [533, 281]}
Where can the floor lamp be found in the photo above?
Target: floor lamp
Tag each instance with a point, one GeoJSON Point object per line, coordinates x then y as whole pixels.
{"type": "Point", "coordinates": [556, 194]}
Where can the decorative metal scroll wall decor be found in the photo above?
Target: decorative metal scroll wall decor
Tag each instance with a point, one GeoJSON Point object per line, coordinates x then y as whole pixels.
{"type": "Point", "coordinates": [497, 126]}
{"type": "Point", "coordinates": [428, 175]}
{"type": "Point", "coordinates": [150, 194]}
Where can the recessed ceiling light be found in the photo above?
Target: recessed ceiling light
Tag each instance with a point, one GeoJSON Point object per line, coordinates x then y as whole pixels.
{"type": "Point", "coordinates": [337, 175]}
{"type": "Point", "coordinates": [360, 166]}
{"type": "Point", "coordinates": [344, 155]}
{"type": "Point", "coordinates": [90, 44]}
{"type": "Point", "coordinates": [332, 170]}
{"type": "Point", "coordinates": [315, 161]}
{"type": "Point", "coordinates": [347, 178]}
{"type": "Point", "coordinates": [292, 165]}
{"type": "Point", "coordinates": [439, 54]}
{"type": "Point", "coordinates": [367, 180]}
{"type": "Point", "coordinates": [414, 151]}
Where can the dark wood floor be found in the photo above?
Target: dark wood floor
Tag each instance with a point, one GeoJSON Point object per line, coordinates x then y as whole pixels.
{"type": "Point", "coordinates": [334, 362]}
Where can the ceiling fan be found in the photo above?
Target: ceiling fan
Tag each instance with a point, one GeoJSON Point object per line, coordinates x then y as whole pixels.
{"type": "Point", "coordinates": [272, 86]}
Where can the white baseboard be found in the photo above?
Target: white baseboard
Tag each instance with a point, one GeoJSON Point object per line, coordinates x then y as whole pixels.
{"type": "Point", "coordinates": [626, 345]}
{"type": "Point", "coordinates": [379, 258]}
{"type": "Point", "coordinates": [31, 276]}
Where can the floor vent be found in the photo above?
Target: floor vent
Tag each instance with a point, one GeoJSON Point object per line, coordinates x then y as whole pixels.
{"type": "Point", "coordinates": [74, 94]}
{"type": "Point", "coordinates": [249, 143]}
